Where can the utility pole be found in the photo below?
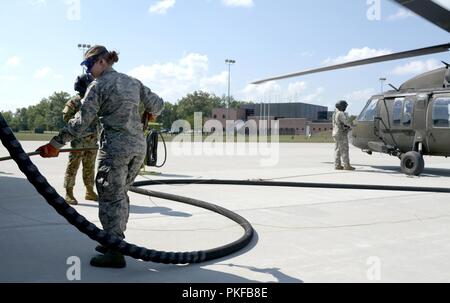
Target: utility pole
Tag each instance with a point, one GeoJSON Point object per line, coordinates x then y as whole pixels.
{"type": "Point", "coordinates": [84, 48]}
{"type": "Point", "coordinates": [229, 62]}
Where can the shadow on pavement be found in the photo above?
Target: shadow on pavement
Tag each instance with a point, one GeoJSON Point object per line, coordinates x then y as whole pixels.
{"type": "Point", "coordinates": [37, 244]}
{"type": "Point", "coordinates": [146, 210]}
{"type": "Point", "coordinates": [428, 172]}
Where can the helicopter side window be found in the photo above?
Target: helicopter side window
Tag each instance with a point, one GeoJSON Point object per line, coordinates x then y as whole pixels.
{"type": "Point", "coordinates": [368, 113]}
{"type": "Point", "coordinates": [398, 109]}
{"type": "Point", "coordinates": [441, 112]}
{"type": "Point", "coordinates": [407, 112]}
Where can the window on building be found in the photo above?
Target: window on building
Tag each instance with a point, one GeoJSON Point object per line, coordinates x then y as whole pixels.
{"type": "Point", "coordinates": [215, 116]}
{"type": "Point", "coordinates": [441, 112]}
{"type": "Point", "coordinates": [224, 117]}
{"type": "Point", "coordinates": [368, 113]}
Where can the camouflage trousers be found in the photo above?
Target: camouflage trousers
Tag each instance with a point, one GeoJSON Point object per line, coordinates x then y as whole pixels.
{"type": "Point", "coordinates": [341, 151]}
{"type": "Point", "coordinates": [75, 159]}
{"type": "Point", "coordinates": [115, 176]}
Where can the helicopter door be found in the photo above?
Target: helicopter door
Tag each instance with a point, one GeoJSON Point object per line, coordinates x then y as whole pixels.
{"type": "Point", "coordinates": [401, 133]}
{"type": "Point", "coordinates": [438, 125]}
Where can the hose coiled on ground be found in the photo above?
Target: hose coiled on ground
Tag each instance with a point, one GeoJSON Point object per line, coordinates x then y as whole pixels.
{"type": "Point", "coordinates": [73, 217]}
{"type": "Point", "coordinates": [92, 231]}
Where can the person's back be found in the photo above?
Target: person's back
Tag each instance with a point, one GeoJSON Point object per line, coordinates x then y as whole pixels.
{"type": "Point", "coordinates": [120, 124]}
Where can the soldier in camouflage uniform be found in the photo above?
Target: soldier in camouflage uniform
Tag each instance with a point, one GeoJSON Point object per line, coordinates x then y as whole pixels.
{"type": "Point", "coordinates": [89, 140]}
{"type": "Point", "coordinates": [115, 99]}
{"type": "Point", "coordinates": [341, 129]}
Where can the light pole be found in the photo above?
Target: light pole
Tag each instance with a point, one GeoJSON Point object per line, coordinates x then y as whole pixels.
{"type": "Point", "coordinates": [382, 80]}
{"type": "Point", "coordinates": [84, 48]}
{"type": "Point", "coordinates": [229, 62]}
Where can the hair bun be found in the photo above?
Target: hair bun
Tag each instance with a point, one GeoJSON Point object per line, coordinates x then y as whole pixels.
{"type": "Point", "coordinates": [113, 57]}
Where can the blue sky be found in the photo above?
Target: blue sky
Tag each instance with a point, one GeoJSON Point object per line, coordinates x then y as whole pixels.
{"type": "Point", "coordinates": [178, 46]}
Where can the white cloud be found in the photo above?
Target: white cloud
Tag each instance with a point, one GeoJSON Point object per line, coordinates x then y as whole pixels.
{"type": "Point", "coordinates": [358, 99]}
{"type": "Point", "coordinates": [401, 14]}
{"type": "Point", "coordinates": [314, 97]}
{"type": "Point", "coordinates": [417, 67]}
{"type": "Point", "coordinates": [13, 61]}
{"type": "Point", "coordinates": [262, 92]}
{"type": "Point", "coordinates": [38, 3]}
{"type": "Point", "coordinates": [296, 88]}
{"type": "Point", "coordinates": [360, 95]}
{"type": "Point", "coordinates": [173, 80]}
{"type": "Point", "coordinates": [274, 92]}
{"type": "Point", "coordinates": [43, 72]}
{"type": "Point", "coordinates": [443, 3]}
{"type": "Point", "coordinates": [162, 7]}
{"type": "Point", "coordinates": [46, 72]}
{"type": "Point", "coordinates": [8, 78]}
{"type": "Point", "coordinates": [238, 3]}
{"type": "Point", "coordinates": [220, 79]}
{"type": "Point", "coordinates": [357, 54]}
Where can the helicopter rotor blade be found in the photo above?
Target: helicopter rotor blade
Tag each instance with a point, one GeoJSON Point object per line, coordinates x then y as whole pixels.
{"type": "Point", "coordinates": [429, 10]}
{"type": "Point", "coordinates": [396, 56]}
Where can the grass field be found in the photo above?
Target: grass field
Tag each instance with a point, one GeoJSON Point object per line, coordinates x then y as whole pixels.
{"type": "Point", "coordinates": [319, 138]}
{"type": "Point", "coordinates": [25, 136]}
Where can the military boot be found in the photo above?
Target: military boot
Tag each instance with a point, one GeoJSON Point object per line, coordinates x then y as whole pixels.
{"type": "Point", "coordinates": [101, 249]}
{"type": "Point", "coordinates": [339, 167]}
{"type": "Point", "coordinates": [90, 194]}
{"type": "Point", "coordinates": [70, 199]}
{"type": "Point", "coordinates": [112, 259]}
{"type": "Point", "coordinates": [349, 167]}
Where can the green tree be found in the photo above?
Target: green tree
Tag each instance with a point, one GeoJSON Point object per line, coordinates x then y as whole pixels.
{"type": "Point", "coordinates": [233, 102]}
{"type": "Point", "coordinates": [21, 117]}
{"type": "Point", "coordinates": [169, 115]}
{"type": "Point", "coordinates": [198, 101]}
{"type": "Point", "coordinates": [54, 116]}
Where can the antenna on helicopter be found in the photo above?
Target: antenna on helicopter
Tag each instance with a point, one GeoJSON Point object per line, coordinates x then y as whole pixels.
{"type": "Point", "coordinates": [396, 89]}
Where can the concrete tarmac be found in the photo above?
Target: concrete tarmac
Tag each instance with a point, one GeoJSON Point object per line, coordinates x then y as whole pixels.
{"type": "Point", "coordinates": [303, 235]}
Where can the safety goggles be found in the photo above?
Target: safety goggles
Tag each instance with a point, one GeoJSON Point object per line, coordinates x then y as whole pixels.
{"type": "Point", "coordinates": [90, 62]}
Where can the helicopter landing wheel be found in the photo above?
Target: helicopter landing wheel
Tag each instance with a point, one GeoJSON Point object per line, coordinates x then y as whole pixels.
{"type": "Point", "coordinates": [412, 163]}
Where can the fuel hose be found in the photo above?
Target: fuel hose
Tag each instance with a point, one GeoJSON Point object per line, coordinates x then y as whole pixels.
{"type": "Point", "coordinates": [92, 231]}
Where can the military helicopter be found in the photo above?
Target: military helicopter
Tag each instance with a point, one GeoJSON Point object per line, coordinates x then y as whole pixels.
{"type": "Point", "coordinates": [413, 120]}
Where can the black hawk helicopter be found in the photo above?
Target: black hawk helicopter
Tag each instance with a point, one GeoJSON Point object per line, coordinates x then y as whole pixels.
{"type": "Point", "coordinates": [413, 120]}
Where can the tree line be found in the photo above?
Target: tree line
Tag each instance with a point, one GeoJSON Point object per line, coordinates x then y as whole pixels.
{"type": "Point", "coordinates": [47, 114]}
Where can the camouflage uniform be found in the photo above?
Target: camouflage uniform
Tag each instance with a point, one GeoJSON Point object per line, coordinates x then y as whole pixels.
{"type": "Point", "coordinates": [341, 128]}
{"type": "Point", "coordinates": [114, 98]}
{"type": "Point", "coordinates": [76, 158]}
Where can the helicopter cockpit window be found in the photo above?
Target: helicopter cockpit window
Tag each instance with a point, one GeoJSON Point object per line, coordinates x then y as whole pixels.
{"type": "Point", "coordinates": [441, 112]}
{"type": "Point", "coordinates": [407, 112]}
{"type": "Point", "coordinates": [397, 112]}
{"type": "Point", "coordinates": [369, 112]}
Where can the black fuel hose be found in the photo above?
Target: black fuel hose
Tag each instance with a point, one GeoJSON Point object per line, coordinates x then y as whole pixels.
{"type": "Point", "coordinates": [81, 223]}
{"type": "Point", "coordinates": [293, 184]}
{"type": "Point", "coordinates": [165, 151]}
{"type": "Point", "coordinates": [92, 231]}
